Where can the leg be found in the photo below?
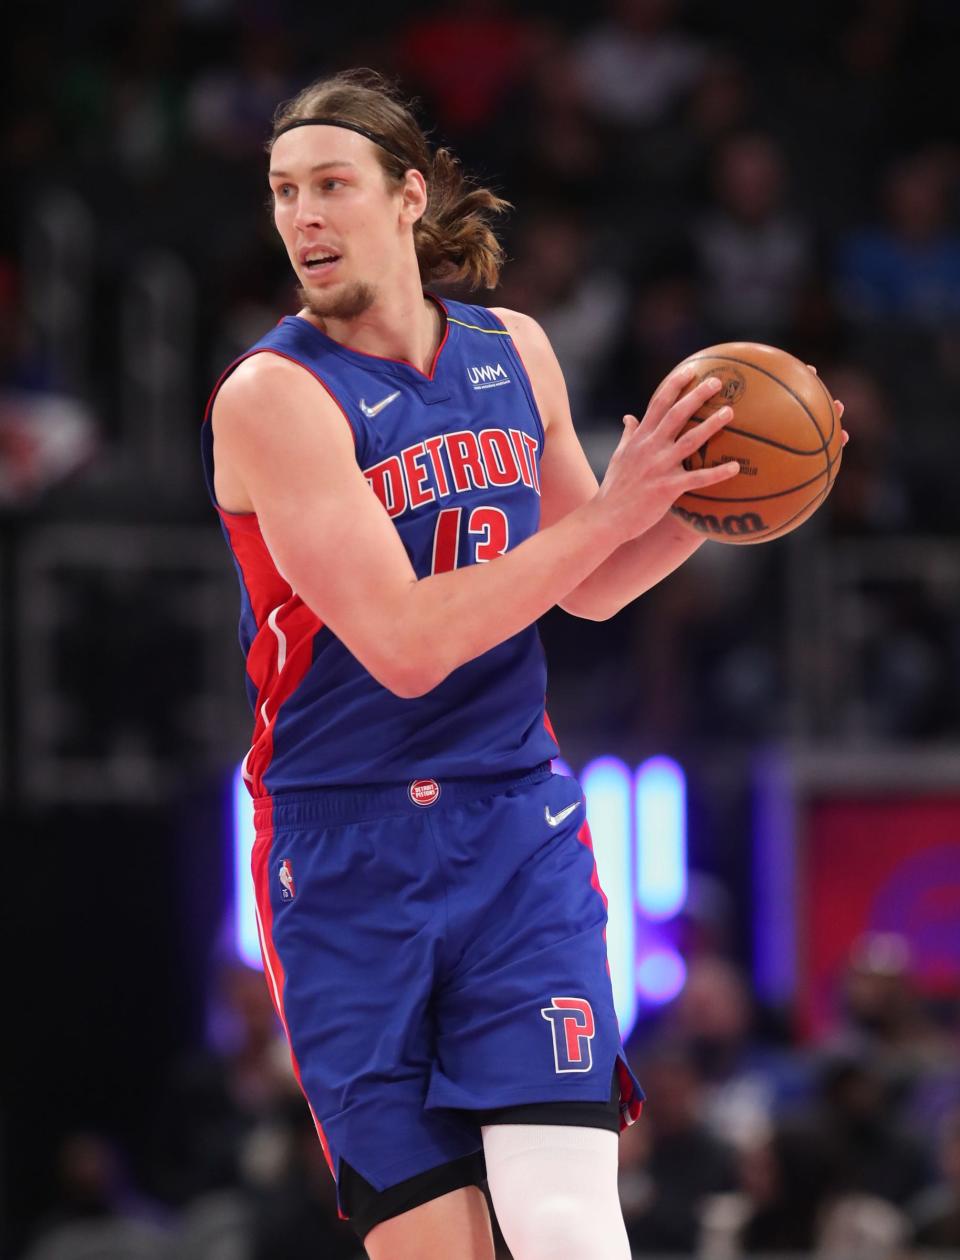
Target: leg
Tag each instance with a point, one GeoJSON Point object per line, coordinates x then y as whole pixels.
{"type": "Point", "coordinates": [453, 1227]}
{"type": "Point", "coordinates": [554, 1189]}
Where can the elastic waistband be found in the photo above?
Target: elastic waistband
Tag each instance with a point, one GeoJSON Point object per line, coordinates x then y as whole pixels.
{"type": "Point", "coordinates": [379, 800]}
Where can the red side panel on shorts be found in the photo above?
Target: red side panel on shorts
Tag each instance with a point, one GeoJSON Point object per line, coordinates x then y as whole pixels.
{"type": "Point", "coordinates": [630, 1104]}
{"type": "Point", "coordinates": [272, 966]}
{"type": "Point", "coordinates": [585, 838]}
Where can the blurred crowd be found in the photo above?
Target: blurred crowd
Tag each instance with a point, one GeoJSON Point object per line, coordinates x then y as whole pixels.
{"type": "Point", "coordinates": [681, 176]}
{"type": "Point", "coordinates": [749, 1144]}
{"type": "Point", "coordinates": [682, 172]}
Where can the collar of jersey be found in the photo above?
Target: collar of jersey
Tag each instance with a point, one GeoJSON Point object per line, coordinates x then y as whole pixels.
{"type": "Point", "coordinates": [397, 367]}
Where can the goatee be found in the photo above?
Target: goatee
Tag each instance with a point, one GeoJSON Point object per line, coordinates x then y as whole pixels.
{"type": "Point", "coordinates": [349, 303]}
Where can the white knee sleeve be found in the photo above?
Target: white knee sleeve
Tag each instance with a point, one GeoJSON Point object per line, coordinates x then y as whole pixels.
{"type": "Point", "coordinates": [554, 1190]}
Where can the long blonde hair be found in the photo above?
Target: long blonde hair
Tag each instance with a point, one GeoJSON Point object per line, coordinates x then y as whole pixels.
{"type": "Point", "coordinates": [454, 239]}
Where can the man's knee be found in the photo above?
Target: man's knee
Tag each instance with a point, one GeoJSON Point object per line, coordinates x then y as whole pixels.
{"type": "Point", "coordinates": [554, 1191]}
{"type": "Point", "coordinates": [555, 1226]}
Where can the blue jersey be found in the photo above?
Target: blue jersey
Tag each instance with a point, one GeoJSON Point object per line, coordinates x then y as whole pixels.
{"type": "Point", "coordinates": [454, 458]}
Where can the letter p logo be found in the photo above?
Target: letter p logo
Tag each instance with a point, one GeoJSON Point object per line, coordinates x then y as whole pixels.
{"type": "Point", "coordinates": [572, 1024]}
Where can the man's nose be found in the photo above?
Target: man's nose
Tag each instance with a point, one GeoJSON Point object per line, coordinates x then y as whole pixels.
{"type": "Point", "coordinates": [309, 213]}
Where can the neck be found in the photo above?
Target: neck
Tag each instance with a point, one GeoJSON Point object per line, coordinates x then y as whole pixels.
{"type": "Point", "coordinates": [407, 326]}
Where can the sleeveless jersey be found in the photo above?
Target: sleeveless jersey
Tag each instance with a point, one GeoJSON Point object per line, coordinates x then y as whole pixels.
{"type": "Point", "coordinates": [454, 458]}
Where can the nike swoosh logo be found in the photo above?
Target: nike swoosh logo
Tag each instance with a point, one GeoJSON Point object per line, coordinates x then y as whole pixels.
{"type": "Point", "coordinates": [556, 819]}
{"type": "Point", "coordinates": [375, 410]}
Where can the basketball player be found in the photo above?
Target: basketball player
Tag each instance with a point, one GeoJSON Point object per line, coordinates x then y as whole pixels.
{"type": "Point", "coordinates": [404, 495]}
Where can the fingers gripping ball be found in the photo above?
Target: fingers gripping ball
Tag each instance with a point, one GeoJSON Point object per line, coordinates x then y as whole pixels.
{"type": "Point", "coordinates": [784, 434]}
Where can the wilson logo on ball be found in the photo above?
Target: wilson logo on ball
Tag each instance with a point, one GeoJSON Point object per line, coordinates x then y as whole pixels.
{"type": "Point", "coordinates": [732, 526]}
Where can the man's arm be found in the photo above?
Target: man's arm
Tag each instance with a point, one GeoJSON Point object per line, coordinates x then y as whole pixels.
{"type": "Point", "coordinates": [567, 481]}
{"type": "Point", "coordinates": [285, 441]}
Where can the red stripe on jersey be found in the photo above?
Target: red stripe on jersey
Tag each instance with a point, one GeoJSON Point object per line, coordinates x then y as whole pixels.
{"type": "Point", "coordinates": [282, 650]}
{"type": "Point", "coordinates": [265, 587]}
{"type": "Point", "coordinates": [272, 966]}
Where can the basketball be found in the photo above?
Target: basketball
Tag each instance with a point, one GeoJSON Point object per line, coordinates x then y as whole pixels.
{"type": "Point", "coordinates": [784, 434]}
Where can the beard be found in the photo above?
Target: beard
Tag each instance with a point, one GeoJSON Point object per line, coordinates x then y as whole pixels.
{"type": "Point", "coordinates": [348, 303]}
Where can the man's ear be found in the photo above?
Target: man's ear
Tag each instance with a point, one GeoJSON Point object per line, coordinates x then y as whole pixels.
{"type": "Point", "coordinates": [413, 196]}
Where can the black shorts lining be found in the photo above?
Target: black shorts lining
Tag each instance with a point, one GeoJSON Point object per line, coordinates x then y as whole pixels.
{"type": "Point", "coordinates": [365, 1206]}
{"type": "Point", "coordinates": [583, 1115]}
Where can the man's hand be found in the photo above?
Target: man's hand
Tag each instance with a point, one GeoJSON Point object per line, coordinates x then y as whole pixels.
{"type": "Point", "coordinates": [646, 474]}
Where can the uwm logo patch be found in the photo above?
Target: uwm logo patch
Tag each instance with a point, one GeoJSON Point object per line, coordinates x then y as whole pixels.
{"type": "Point", "coordinates": [488, 376]}
{"type": "Point", "coordinates": [572, 1025]}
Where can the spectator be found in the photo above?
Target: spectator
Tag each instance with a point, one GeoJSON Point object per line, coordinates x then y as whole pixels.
{"type": "Point", "coordinates": [579, 300]}
{"type": "Point", "coordinates": [98, 1211]}
{"type": "Point", "coordinates": [753, 253]}
{"type": "Point", "coordinates": [662, 326]}
{"type": "Point", "coordinates": [671, 162]}
{"type": "Point", "coordinates": [873, 495]}
{"type": "Point", "coordinates": [873, 1153]}
{"type": "Point", "coordinates": [936, 1213]}
{"type": "Point", "coordinates": [862, 1225]}
{"type": "Point", "coordinates": [45, 435]}
{"type": "Point", "coordinates": [636, 66]}
{"type": "Point", "coordinates": [908, 269]}
{"type": "Point", "coordinates": [713, 1019]}
{"type": "Point", "coordinates": [467, 59]}
{"type": "Point", "coordinates": [221, 1104]}
{"type": "Point", "coordinates": [556, 148]}
{"type": "Point", "coordinates": [883, 1010]}
{"type": "Point", "coordinates": [673, 1162]}
{"type": "Point", "coordinates": [228, 108]}
{"type": "Point", "coordinates": [786, 1185]}
{"type": "Point", "coordinates": [295, 1210]}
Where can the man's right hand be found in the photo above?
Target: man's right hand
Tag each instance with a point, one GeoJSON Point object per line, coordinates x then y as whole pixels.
{"type": "Point", "coordinates": [646, 474]}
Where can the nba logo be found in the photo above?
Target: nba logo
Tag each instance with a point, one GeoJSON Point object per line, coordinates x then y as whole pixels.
{"type": "Point", "coordinates": [288, 889]}
{"type": "Point", "coordinates": [572, 1024]}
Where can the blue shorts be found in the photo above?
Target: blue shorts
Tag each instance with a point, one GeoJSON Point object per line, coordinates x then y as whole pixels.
{"type": "Point", "coordinates": [436, 950]}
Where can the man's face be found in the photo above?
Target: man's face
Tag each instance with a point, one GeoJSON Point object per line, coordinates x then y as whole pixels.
{"type": "Point", "coordinates": [341, 222]}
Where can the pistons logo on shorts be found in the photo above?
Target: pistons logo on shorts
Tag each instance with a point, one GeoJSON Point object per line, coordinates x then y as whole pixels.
{"type": "Point", "coordinates": [288, 889]}
{"type": "Point", "coordinates": [424, 791]}
{"type": "Point", "coordinates": [573, 1026]}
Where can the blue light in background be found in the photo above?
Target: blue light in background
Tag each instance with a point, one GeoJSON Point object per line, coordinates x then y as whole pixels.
{"type": "Point", "coordinates": [661, 815]}
{"type": "Point", "coordinates": [244, 912]}
{"type": "Point", "coordinates": [660, 975]}
{"type": "Point", "coordinates": [606, 785]}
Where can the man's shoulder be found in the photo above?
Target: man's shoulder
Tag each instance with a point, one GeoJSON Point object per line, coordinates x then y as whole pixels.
{"type": "Point", "coordinates": [258, 370]}
{"type": "Point", "coordinates": [268, 381]}
{"type": "Point", "coordinates": [530, 339]}
{"type": "Point", "coordinates": [517, 323]}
